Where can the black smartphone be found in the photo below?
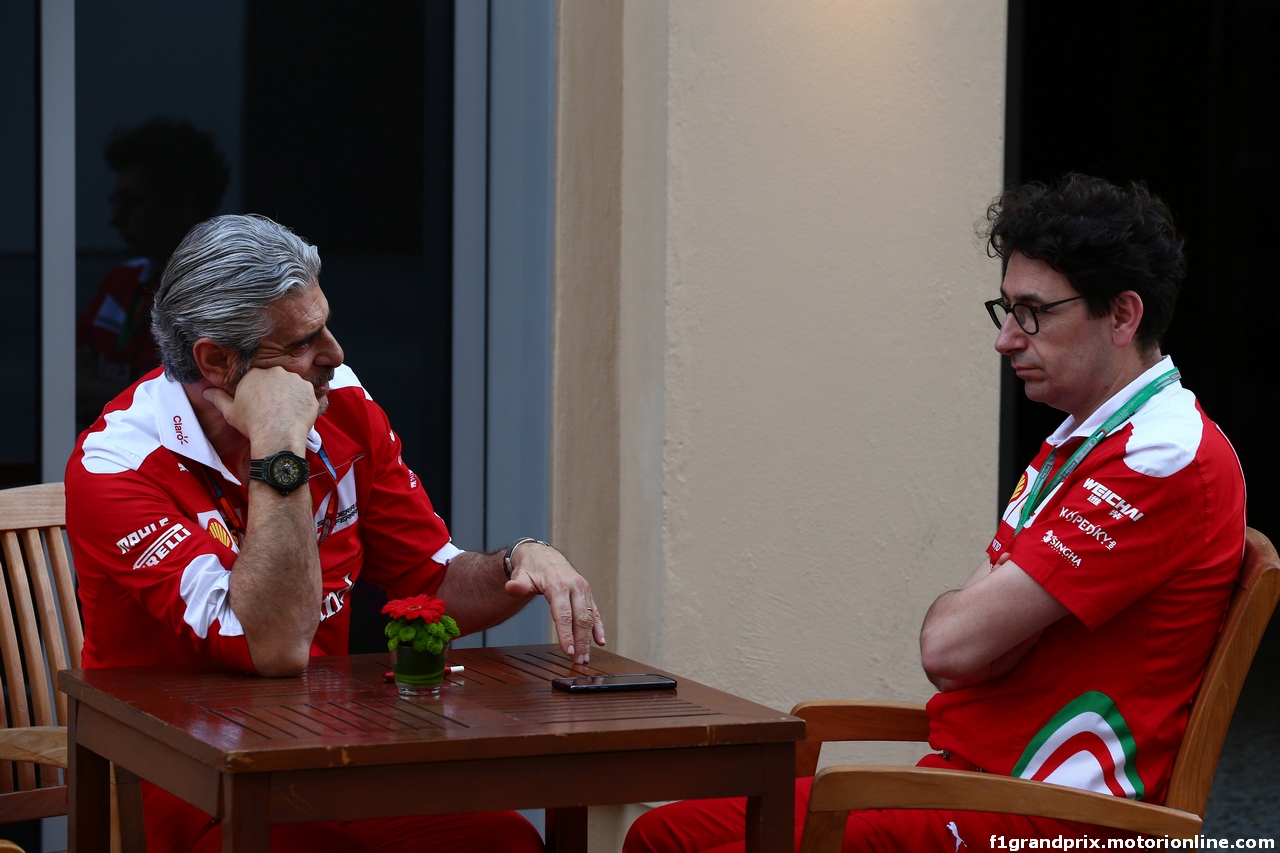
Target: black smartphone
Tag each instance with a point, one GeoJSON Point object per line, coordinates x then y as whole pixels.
{"type": "Point", "coordinates": [606, 683]}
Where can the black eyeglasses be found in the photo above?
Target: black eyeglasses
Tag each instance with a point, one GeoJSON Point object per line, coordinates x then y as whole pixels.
{"type": "Point", "coordinates": [1023, 313]}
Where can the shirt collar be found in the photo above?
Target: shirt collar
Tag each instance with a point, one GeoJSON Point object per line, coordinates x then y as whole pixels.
{"type": "Point", "coordinates": [1069, 429]}
{"type": "Point", "coordinates": [180, 432]}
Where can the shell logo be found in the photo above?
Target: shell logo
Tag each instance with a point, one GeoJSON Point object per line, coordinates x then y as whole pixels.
{"type": "Point", "coordinates": [1020, 488]}
{"type": "Point", "coordinates": [219, 532]}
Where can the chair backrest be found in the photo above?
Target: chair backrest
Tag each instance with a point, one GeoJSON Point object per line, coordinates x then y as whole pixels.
{"type": "Point", "coordinates": [40, 633]}
{"type": "Point", "coordinates": [1252, 603]}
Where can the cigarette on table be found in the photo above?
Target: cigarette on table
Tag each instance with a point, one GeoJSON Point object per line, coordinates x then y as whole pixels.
{"type": "Point", "coordinates": [389, 676]}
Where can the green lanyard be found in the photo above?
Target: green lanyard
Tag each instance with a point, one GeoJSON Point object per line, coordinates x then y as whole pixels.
{"type": "Point", "coordinates": [1039, 491]}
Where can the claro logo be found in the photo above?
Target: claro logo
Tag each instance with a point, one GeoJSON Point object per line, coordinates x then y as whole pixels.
{"type": "Point", "coordinates": [162, 547]}
{"type": "Point", "coordinates": [177, 428]}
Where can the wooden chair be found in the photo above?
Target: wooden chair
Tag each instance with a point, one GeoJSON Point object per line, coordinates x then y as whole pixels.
{"type": "Point", "coordinates": [838, 790]}
{"type": "Point", "coordinates": [41, 633]}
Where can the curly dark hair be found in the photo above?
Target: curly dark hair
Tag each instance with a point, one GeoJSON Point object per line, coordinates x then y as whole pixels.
{"type": "Point", "coordinates": [180, 162]}
{"type": "Point", "coordinates": [1105, 239]}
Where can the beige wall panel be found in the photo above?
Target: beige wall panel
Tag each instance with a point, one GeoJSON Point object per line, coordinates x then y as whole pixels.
{"type": "Point", "coordinates": [831, 392]}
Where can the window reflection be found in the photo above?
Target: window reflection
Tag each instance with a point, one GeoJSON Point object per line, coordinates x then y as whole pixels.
{"type": "Point", "coordinates": [19, 262]}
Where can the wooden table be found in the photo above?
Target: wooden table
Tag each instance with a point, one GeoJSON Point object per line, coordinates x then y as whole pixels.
{"type": "Point", "coordinates": [256, 751]}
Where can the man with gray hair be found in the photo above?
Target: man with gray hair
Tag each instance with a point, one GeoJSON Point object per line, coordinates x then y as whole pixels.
{"type": "Point", "coordinates": [221, 510]}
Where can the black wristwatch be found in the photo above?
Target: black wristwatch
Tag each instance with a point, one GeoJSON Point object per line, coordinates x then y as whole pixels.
{"type": "Point", "coordinates": [283, 471]}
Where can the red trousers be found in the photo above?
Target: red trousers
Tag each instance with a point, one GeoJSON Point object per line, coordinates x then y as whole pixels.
{"type": "Point", "coordinates": [173, 826]}
{"type": "Point", "coordinates": [718, 826]}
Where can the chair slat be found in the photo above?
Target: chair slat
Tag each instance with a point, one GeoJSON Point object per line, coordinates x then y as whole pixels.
{"type": "Point", "coordinates": [63, 579]}
{"type": "Point", "coordinates": [12, 671]}
{"type": "Point", "coordinates": [40, 616]}
{"type": "Point", "coordinates": [19, 712]}
{"type": "Point", "coordinates": [29, 635]}
{"type": "Point", "coordinates": [46, 607]}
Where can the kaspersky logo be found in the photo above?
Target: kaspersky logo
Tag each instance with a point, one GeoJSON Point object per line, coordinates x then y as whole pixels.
{"type": "Point", "coordinates": [1087, 527]}
{"type": "Point", "coordinates": [1086, 745]}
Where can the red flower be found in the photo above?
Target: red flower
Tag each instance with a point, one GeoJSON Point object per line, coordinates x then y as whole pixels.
{"type": "Point", "coordinates": [428, 608]}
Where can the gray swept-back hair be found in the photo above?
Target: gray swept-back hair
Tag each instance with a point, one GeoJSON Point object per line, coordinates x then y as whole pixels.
{"type": "Point", "coordinates": [220, 283]}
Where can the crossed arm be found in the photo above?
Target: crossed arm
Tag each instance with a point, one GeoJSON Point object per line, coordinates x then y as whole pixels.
{"type": "Point", "coordinates": [982, 630]}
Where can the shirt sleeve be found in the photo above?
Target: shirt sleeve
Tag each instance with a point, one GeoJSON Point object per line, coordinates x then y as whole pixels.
{"type": "Point", "coordinates": [131, 540]}
{"type": "Point", "coordinates": [1110, 534]}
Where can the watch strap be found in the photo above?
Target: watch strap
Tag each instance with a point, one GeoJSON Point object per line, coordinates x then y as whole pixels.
{"type": "Point", "coordinates": [264, 470]}
{"type": "Point", "coordinates": [507, 567]}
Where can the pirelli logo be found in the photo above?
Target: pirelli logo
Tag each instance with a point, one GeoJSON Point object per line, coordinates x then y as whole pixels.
{"type": "Point", "coordinates": [163, 546]}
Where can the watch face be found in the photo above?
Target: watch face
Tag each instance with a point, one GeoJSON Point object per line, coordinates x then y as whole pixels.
{"type": "Point", "coordinates": [285, 471]}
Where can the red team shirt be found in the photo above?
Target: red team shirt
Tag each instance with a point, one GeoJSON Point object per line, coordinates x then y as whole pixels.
{"type": "Point", "coordinates": [1141, 543]}
{"type": "Point", "coordinates": [154, 547]}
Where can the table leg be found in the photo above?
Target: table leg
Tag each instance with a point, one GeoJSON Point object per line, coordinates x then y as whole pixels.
{"type": "Point", "coordinates": [128, 812]}
{"type": "Point", "coordinates": [567, 830]}
{"type": "Point", "coordinates": [771, 817]}
{"type": "Point", "coordinates": [246, 817]}
{"type": "Point", "coordinates": [88, 794]}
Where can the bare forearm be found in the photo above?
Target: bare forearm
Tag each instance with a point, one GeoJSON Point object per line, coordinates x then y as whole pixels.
{"type": "Point", "coordinates": [982, 630]}
{"type": "Point", "coordinates": [276, 586]}
{"type": "Point", "coordinates": [478, 593]}
{"type": "Point", "coordinates": [997, 668]}
{"type": "Point", "coordinates": [474, 592]}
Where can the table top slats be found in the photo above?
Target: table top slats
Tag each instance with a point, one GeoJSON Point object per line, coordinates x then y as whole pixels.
{"type": "Point", "coordinates": [341, 712]}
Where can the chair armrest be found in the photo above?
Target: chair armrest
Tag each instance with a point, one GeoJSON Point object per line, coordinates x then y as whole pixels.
{"type": "Point", "coordinates": [39, 744]}
{"type": "Point", "coordinates": [837, 790]}
{"type": "Point", "coordinates": [841, 719]}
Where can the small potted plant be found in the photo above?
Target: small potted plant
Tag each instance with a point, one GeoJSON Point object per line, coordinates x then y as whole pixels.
{"type": "Point", "coordinates": [417, 637]}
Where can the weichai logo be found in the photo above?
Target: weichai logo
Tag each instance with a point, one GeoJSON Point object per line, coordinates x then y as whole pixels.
{"type": "Point", "coordinates": [1100, 494]}
{"type": "Point", "coordinates": [1086, 745]}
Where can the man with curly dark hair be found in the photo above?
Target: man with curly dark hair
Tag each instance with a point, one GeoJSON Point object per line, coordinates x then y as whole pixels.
{"type": "Point", "coordinates": [1072, 653]}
